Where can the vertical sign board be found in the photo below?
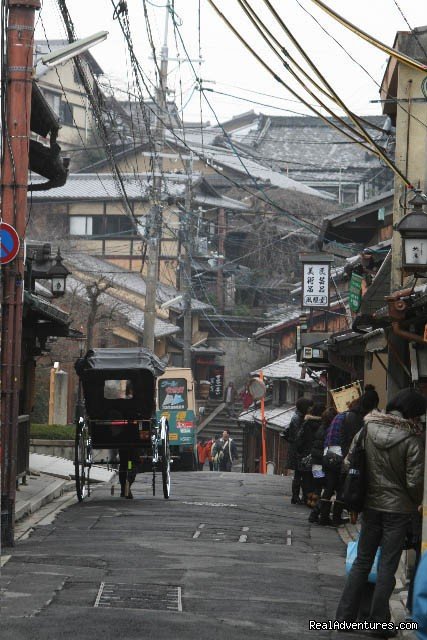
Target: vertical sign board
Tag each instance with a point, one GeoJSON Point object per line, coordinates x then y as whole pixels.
{"type": "Point", "coordinates": [315, 284]}
{"type": "Point", "coordinates": [355, 292]}
{"type": "Point", "coordinates": [216, 378]}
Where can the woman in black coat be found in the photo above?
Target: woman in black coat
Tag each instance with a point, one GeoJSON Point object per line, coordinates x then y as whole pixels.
{"type": "Point", "coordinates": [291, 435]}
{"type": "Point", "coordinates": [304, 444]}
{"type": "Point", "coordinates": [317, 451]}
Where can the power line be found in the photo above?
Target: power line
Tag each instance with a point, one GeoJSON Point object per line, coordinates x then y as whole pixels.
{"type": "Point", "coordinates": [355, 119]}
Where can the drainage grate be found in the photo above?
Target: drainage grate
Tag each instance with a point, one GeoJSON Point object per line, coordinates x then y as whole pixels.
{"type": "Point", "coordinates": [162, 597]}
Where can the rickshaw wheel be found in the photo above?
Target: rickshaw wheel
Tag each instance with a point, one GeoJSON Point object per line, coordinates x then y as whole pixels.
{"type": "Point", "coordinates": [166, 467]}
{"type": "Point", "coordinates": [81, 462]}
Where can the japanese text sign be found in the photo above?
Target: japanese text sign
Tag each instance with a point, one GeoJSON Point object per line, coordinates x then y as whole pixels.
{"type": "Point", "coordinates": [315, 285]}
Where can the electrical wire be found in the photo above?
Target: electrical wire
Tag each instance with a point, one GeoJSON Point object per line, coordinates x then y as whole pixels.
{"type": "Point", "coordinates": [356, 121]}
{"type": "Point", "coordinates": [377, 43]}
{"type": "Point", "coordinates": [413, 32]}
{"type": "Point", "coordinates": [396, 101]}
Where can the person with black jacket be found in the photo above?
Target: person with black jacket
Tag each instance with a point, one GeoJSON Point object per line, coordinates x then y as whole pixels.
{"type": "Point", "coordinates": [317, 461]}
{"type": "Point", "coordinates": [291, 434]}
{"type": "Point", "coordinates": [304, 443]}
{"type": "Point", "coordinates": [394, 452]}
{"type": "Point", "coordinates": [338, 439]}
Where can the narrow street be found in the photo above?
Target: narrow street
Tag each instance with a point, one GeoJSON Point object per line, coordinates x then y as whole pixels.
{"type": "Point", "coordinates": [227, 556]}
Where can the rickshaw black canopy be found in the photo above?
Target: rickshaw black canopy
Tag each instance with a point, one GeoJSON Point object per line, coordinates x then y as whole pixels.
{"type": "Point", "coordinates": [128, 359]}
{"type": "Point", "coordinates": [138, 366]}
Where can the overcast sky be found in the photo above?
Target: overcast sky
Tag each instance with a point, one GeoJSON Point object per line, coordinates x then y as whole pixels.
{"type": "Point", "coordinates": [227, 66]}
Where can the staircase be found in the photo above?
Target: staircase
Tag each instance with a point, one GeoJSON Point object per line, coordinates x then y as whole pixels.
{"type": "Point", "coordinates": [222, 421]}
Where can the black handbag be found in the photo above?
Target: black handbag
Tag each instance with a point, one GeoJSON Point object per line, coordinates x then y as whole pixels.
{"type": "Point", "coordinates": [305, 463]}
{"type": "Point", "coordinates": [332, 461]}
{"type": "Point", "coordinates": [355, 484]}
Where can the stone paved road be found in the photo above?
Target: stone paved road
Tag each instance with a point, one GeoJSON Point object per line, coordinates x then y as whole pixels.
{"type": "Point", "coordinates": [227, 557]}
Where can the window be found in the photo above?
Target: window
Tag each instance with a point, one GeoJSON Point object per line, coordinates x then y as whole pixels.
{"type": "Point", "coordinates": [81, 225]}
{"type": "Point", "coordinates": [54, 101]}
{"type": "Point", "coordinates": [119, 225]}
{"type": "Point", "coordinates": [118, 389]}
{"type": "Point", "coordinates": [66, 113]}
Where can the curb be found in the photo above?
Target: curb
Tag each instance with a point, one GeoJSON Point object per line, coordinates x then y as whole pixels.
{"type": "Point", "coordinates": [27, 507]}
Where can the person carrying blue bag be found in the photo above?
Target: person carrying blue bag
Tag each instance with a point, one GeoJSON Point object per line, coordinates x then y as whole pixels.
{"type": "Point", "coordinates": [394, 468]}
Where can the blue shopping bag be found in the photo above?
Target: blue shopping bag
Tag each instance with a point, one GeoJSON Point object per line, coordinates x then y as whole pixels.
{"type": "Point", "coordinates": [419, 606]}
{"type": "Point", "coordinates": [351, 557]}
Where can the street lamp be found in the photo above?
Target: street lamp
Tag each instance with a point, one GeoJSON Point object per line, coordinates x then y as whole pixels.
{"type": "Point", "coordinates": [413, 230]}
{"type": "Point", "coordinates": [74, 49]}
{"type": "Point", "coordinates": [58, 274]}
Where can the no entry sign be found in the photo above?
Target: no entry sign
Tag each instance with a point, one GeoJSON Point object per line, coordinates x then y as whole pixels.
{"type": "Point", "coordinates": [9, 243]}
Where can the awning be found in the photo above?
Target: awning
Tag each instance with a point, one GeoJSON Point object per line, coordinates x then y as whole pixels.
{"type": "Point", "coordinates": [45, 319]}
{"type": "Point", "coordinates": [277, 418]}
{"type": "Point", "coordinates": [282, 369]}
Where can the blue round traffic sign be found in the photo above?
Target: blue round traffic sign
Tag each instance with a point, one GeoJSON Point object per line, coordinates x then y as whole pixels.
{"type": "Point", "coordinates": [9, 243]}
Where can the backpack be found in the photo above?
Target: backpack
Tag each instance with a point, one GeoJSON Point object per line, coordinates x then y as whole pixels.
{"type": "Point", "coordinates": [217, 452]}
{"type": "Point", "coordinates": [355, 484]}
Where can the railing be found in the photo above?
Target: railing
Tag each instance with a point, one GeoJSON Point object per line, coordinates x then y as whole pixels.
{"type": "Point", "coordinates": [23, 453]}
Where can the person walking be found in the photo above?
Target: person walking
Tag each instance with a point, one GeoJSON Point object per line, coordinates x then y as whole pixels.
{"type": "Point", "coordinates": [229, 452]}
{"type": "Point", "coordinates": [304, 444]}
{"type": "Point", "coordinates": [394, 453]}
{"type": "Point", "coordinates": [208, 452]}
{"type": "Point", "coordinates": [246, 397]}
{"type": "Point", "coordinates": [201, 454]}
{"type": "Point", "coordinates": [230, 399]}
{"type": "Point", "coordinates": [301, 408]}
{"type": "Point", "coordinates": [338, 439]}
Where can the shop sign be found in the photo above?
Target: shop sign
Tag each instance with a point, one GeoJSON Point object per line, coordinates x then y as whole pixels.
{"type": "Point", "coordinates": [315, 285]}
{"type": "Point", "coordinates": [344, 396]}
{"type": "Point", "coordinates": [172, 394]}
{"type": "Point", "coordinates": [355, 292]}
{"type": "Point", "coordinates": [216, 379]}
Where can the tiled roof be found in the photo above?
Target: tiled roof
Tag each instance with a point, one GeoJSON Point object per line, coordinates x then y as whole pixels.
{"type": "Point", "coordinates": [278, 418]}
{"type": "Point", "coordinates": [129, 280]}
{"type": "Point", "coordinates": [102, 186]}
{"type": "Point", "coordinates": [315, 147]}
{"type": "Point", "coordinates": [281, 369]}
{"type": "Point", "coordinates": [133, 315]}
{"type": "Point", "coordinates": [228, 158]}
{"type": "Point", "coordinates": [291, 313]}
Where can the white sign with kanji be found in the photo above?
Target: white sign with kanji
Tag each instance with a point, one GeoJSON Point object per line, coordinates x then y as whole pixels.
{"type": "Point", "coordinates": [315, 285]}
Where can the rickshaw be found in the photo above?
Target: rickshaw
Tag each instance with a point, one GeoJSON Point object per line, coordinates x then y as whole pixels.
{"type": "Point", "coordinates": [119, 417]}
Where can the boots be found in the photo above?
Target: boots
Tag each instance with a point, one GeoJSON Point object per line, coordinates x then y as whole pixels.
{"type": "Point", "coordinates": [337, 510]}
{"type": "Point", "coordinates": [312, 500]}
{"type": "Point", "coordinates": [325, 507]}
{"type": "Point", "coordinates": [126, 479]}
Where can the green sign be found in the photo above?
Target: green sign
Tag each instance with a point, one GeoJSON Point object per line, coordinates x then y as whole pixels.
{"type": "Point", "coordinates": [182, 426]}
{"type": "Point", "coordinates": [355, 292]}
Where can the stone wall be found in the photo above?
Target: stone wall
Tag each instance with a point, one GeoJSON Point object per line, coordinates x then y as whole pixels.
{"type": "Point", "coordinates": [241, 357]}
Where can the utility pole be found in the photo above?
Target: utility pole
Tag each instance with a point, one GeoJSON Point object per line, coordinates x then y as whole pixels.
{"type": "Point", "coordinates": [186, 266]}
{"type": "Point", "coordinates": [155, 225]}
{"type": "Point", "coordinates": [220, 293]}
{"type": "Point", "coordinates": [14, 181]}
